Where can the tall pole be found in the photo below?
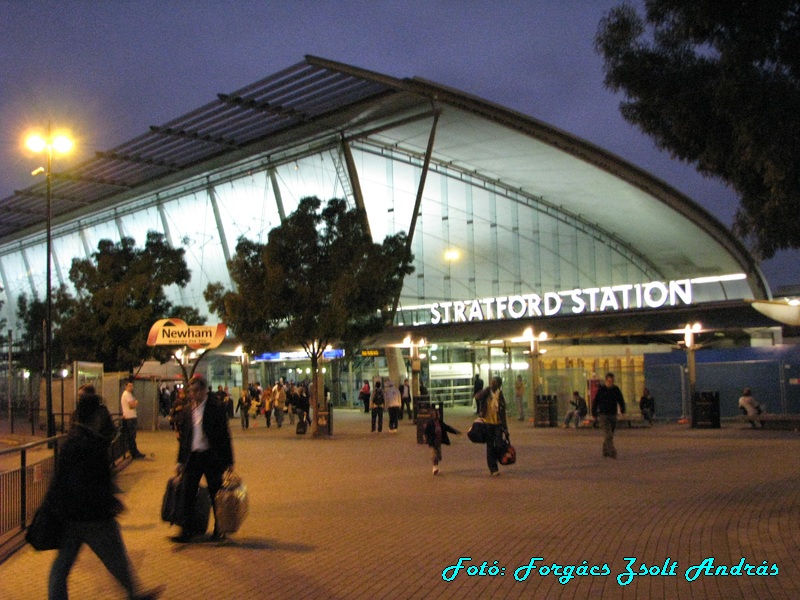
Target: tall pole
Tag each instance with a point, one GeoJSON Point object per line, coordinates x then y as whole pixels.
{"type": "Point", "coordinates": [10, 378]}
{"type": "Point", "coordinates": [48, 367]}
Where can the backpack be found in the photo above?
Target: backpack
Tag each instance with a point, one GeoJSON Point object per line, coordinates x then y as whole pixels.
{"type": "Point", "coordinates": [377, 400]}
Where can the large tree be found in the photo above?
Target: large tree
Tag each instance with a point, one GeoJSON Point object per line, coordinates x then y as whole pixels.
{"type": "Point", "coordinates": [319, 279]}
{"type": "Point", "coordinates": [119, 295]}
{"type": "Point", "coordinates": [717, 84]}
{"type": "Point", "coordinates": [31, 314]}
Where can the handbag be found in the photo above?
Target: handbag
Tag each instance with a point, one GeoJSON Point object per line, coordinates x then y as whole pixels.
{"type": "Point", "coordinates": [230, 504]}
{"type": "Point", "coordinates": [47, 527]}
{"type": "Point", "coordinates": [477, 432]}
{"type": "Point", "coordinates": [508, 455]}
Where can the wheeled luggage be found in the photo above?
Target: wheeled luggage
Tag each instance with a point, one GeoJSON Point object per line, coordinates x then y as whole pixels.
{"type": "Point", "coordinates": [172, 506]}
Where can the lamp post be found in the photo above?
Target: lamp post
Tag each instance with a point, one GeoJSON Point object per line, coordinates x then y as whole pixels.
{"type": "Point", "coordinates": [62, 144]}
{"type": "Point", "coordinates": [691, 347]}
{"type": "Point", "coordinates": [533, 354]}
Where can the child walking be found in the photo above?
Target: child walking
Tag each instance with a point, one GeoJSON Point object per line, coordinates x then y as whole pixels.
{"type": "Point", "coordinates": [436, 435]}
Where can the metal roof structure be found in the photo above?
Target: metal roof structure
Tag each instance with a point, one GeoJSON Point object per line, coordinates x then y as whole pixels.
{"type": "Point", "coordinates": [318, 102]}
{"type": "Point", "coordinates": [295, 96]}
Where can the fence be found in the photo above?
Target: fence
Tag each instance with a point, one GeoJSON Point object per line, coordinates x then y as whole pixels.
{"type": "Point", "coordinates": [772, 381]}
{"type": "Point", "coordinates": [22, 489]}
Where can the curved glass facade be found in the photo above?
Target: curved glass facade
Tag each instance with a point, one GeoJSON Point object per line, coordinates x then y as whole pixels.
{"type": "Point", "coordinates": [473, 237]}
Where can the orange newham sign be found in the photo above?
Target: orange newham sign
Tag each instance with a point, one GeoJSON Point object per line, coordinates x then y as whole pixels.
{"type": "Point", "coordinates": [175, 332]}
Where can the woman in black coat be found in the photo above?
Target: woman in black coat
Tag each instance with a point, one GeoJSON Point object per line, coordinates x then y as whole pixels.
{"type": "Point", "coordinates": [83, 494]}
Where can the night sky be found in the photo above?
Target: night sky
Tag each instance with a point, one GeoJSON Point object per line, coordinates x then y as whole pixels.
{"type": "Point", "coordinates": [108, 70]}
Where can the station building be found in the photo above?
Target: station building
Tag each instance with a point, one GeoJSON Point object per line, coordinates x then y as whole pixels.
{"type": "Point", "coordinates": [517, 228]}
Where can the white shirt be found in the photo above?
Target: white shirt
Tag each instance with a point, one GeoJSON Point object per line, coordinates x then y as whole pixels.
{"type": "Point", "coordinates": [128, 412]}
{"type": "Point", "coordinates": [199, 439]}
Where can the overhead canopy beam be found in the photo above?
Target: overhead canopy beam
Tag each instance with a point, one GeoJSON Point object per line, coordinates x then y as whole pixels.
{"type": "Point", "coordinates": [138, 160]}
{"type": "Point", "coordinates": [417, 203]}
{"type": "Point", "coordinates": [194, 136]}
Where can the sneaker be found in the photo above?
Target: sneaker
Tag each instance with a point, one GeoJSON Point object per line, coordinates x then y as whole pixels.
{"type": "Point", "coordinates": [495, 473]}
{"type": "Point", "coordinates": [435, 470]}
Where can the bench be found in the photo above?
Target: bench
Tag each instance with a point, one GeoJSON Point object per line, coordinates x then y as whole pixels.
{"type": "Point", "coordinates": [772, 421]}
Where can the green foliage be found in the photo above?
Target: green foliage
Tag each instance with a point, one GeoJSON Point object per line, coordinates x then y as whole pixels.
{"type": "Point", "coordinates": [120, 294]}
{"type": "Point", "coordinates": [319, 279]}
{"type": "Point", "coordinates": [31, 314]}
{"type": "Point", "coordinates": [716, 85]}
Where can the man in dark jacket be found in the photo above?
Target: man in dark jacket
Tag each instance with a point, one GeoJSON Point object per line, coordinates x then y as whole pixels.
{"type": "Point", "coordinates": [604, 408]}
{"type": "Point", "coordinates": [205, 447]}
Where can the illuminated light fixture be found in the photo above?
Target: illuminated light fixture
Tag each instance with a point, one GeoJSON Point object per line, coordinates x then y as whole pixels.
{"type": "Point", "coordinates": [451, 254]}
{"type": "Point", "coordinates": [787, 313]}
{"type": "Point", "coordinates": [719, 278]}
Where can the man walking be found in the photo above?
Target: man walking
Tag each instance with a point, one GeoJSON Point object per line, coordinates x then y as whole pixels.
{"type": "Point", "coordinates": [130, 421]}
{"type": "Point", "coordinates": [604, 408]}
{"type": "Point", "coordinates": [204, 449]}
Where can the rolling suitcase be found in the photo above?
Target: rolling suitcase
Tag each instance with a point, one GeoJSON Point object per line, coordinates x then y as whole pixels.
{"type": "Point", "coordinates": [172, 506]}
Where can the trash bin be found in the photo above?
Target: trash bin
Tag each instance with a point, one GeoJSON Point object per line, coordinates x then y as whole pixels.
{"type": "Point", "coordinates": [422, 412]}
{"type": "Point", "coordinates": [325, 421]}
{"type": "Point", "coordinates": [705, 410]}
{"type": "Point", "coordinates": [546, 411]}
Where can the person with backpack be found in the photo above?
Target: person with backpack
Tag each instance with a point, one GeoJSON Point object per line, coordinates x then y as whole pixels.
{"type": "Point", "coordinates": [376, 404]}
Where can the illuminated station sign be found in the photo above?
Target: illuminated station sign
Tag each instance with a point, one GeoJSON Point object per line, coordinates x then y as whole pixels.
{"type": "Point", "coordinates": [652, 295]}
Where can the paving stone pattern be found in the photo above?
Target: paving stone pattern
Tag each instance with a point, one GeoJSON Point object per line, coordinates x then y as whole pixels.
{"type": "Point", "coordinates": [360, 516]}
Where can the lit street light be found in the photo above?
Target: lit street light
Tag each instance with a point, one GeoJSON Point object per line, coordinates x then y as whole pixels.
{"type": "Point", "coordinates": [534, 353]}
{"type": "Point", "coordinates": [61, 144]}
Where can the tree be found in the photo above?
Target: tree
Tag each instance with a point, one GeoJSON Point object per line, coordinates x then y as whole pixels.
{"type": "Point", "coordinates": [319, 279]}
{"type": "Point", "coordinates": [717, 84]}
{"type": "Point", "coordinates": [31, 313]}
{"type": "Point", "coordinates": [119, 295]}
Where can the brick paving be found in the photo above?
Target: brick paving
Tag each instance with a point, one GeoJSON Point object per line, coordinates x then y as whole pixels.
{"type": "Point", "coordinates": [360, 516]}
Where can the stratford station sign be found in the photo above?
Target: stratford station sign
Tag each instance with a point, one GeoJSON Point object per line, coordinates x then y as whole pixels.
{"type": "Point", "coordinates": [652, 295]}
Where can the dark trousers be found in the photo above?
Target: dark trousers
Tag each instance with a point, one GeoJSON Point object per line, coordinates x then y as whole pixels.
{"type": "Point", "coordinates": [394, 416]}
{"type": "Point", "coordinates": [609, 424]}
{"type": "Point", "coordinates": [406, 406]}
{"type": "Point", "coordinates": [129, 427]}
{"type": "Point", "coordinates": [201, 464]}
{"type": "Point", "coordinates": [105, 540]}
{"type": "Point", "coordinates": [494, 438]}
{"type": "Point", "coordinates": [377, 414]}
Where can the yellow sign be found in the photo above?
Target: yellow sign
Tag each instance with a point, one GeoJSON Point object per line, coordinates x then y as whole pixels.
{"type": "Point", "coordinates": [175, 332]}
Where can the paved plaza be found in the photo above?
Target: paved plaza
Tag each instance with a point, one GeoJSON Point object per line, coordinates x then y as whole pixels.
{"type": "Point", "coordinates": [360, 516]}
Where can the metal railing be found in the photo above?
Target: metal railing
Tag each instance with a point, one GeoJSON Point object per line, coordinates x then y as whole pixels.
{"type": "Point", "coordinates": [22, 491]}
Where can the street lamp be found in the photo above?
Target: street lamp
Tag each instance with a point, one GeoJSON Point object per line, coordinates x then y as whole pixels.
{"type": "Point", "coordinates": [690, 345]}
{"type": "Point", "coordinates": [533, 354]}
{"type": "Point", "coordinates": [61, 144]}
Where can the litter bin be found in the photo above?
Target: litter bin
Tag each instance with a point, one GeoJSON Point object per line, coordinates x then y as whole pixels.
{"type": "Point", "coordinates": [705, 410]}
{"type": "Point", "coordinates": [422, 412]}
{"type": "Point", "coordinates": [546, 411]}
{"type": "Point", "coordinates": [325, 421]}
